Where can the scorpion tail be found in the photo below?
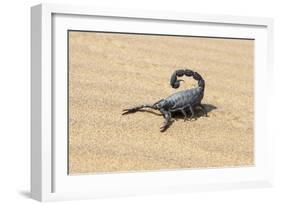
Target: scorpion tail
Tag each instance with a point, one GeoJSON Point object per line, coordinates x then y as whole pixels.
{"type": "Point", "coordinates": [175, 83]}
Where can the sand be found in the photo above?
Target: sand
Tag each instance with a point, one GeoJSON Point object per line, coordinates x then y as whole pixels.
{"type": "Point", "coordinates": [110, 72]}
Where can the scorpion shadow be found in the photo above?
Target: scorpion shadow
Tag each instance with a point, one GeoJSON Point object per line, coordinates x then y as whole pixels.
{"type": "Point", "coordinates": [198, 114]}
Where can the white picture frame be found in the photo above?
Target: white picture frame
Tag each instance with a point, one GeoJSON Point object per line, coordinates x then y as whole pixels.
{"type": "Point", "coordinates": [49, 179]}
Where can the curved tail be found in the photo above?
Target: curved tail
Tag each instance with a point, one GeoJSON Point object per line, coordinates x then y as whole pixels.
{"type": "Point", "coordinates": [175, 83]}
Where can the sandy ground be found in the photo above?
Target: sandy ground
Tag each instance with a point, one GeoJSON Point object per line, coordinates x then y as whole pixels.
{"type": "Point", "coordinates": [110, 72]}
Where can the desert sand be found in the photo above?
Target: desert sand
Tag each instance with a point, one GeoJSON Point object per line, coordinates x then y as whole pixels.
{"type": "Point", "coordinates": [109, 72]}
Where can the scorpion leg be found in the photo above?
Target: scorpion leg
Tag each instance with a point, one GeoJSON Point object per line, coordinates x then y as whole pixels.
{"type": "Point", "coordinates": [184, 114]}
{"type": "Point", "coordinates": [192, 113]}
{"type": "Point", "coordinates": [137, 108]}
{"type": "Point", "coordinates": [167, 116]}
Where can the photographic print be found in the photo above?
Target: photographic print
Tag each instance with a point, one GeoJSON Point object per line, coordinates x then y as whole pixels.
{"type": "Point", "coordinates": [147, 102]}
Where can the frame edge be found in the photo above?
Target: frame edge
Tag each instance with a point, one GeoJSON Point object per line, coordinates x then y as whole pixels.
{"type": "Point", "coordinates": [36, 100]}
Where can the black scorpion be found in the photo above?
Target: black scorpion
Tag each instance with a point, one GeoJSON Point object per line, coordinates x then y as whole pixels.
{"type": "Point", "coordinates": [183, 101]}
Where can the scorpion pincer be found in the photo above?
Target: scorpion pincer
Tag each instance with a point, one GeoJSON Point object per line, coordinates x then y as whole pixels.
{"type": "Point", "coordinates": [183, 101]}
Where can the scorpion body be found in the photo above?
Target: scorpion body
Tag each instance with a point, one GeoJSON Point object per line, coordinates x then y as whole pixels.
{"type": "Point", "coordinates": [183, 101]}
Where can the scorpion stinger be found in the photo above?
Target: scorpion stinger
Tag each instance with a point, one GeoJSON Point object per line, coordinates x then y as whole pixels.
{"type": "Point", "coordinates": [183, 101]}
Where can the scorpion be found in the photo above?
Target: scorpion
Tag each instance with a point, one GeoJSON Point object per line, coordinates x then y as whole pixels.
{"type": "Point", "coordinates": [182, 101]}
